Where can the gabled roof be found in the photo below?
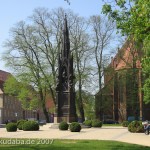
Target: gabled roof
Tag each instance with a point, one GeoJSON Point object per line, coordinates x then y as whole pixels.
{"type": "Point", "coordinates": [124, 57]}
{"type": "Point", "coordinates": [125, 61]}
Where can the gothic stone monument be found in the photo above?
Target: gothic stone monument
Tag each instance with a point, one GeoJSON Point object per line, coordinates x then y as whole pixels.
{"type": "Point", "coordinates": [65, 92]}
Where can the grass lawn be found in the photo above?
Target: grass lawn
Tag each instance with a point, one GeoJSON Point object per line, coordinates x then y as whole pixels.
{"type": "Point", "coordinates": [72, 145]}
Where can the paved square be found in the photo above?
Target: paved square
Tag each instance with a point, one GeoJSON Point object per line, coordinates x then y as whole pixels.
{"type": "Point", "coordinates": [104, 133]}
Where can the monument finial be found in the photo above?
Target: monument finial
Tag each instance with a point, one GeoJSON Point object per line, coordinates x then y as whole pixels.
{"type": "Point", "coordinates": [65, 25]}
{"type": "Point", "coordinates": [66, 41]}
{"type": "Point", "coordinates": [65, 15]}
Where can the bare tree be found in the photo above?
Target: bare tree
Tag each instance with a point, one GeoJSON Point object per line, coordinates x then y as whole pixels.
{"type": "Point", "coordinates": [102, 31]}
{"type": "Point", "coordinates": [81, 49]}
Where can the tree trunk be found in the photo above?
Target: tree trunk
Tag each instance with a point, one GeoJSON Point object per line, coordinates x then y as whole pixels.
{"type": "Point", "coordinates": [44, 106]}
{"type": "Point", "coordinates": [80, 102]}
{"type": "Point", "coordinates": [45, 113]}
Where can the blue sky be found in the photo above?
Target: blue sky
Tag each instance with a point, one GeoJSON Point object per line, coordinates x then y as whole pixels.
{"type": "Point", "coordinates": [12, 11]}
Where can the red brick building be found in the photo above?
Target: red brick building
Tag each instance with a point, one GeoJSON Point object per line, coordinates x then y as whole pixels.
{"type": "Point", "coordinates": [121, 97]}
{"type": "Point", "coordinates": [11, 108]}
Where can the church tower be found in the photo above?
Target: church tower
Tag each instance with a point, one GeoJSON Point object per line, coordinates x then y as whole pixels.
{"type": "Point", "coordinates": [65, 92]}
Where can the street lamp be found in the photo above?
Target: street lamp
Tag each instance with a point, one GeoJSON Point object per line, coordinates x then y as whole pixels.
{"type": "Point", "coordinates": [16, 115]}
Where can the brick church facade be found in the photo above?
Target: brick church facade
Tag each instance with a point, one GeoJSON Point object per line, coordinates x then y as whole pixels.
{"type": "Point", "coordinates": [121, 98]}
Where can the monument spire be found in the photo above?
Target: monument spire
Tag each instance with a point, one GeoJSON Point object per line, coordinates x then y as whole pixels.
{"type": "Point", "coordinates": [66, 41]}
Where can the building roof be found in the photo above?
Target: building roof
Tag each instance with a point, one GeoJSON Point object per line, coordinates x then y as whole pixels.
{"type": "Point", "coordinates": [125, 61]}
{"type": "Point", "coordinates": [124, 57]}
{"type": "Point", "coordinates": [4, 75]}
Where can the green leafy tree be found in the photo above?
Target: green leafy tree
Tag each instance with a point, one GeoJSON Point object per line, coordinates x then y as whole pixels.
{"type": "Point", "coordinates": [26, 94]}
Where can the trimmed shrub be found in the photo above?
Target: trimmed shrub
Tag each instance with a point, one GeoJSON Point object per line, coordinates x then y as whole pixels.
{"type": "Point", "coordinates": [75, 127]}
{"type": "Point", "coordinates": [97, 123]}
{"type": "Point", "coordinates": [88, 123]}
{"type": "Point", "coordinates": [11, 127]}
{"type": "Point", "coordinates": [63, 126]}
{"type": "Point", "coordinates": [125, 123]}
{"type": "Point", "coordinates": [19, 121]}
{"type": "Point", "coordinates": [30, 126]}
{"type": "Point", "coordinates": [136, 127]}
{"type": "Point", "coordinates": [20, 124]}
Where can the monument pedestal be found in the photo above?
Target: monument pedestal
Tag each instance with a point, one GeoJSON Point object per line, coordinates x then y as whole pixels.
{"type": "Point", "coordinates": [65, 107]}
{"type": "Point", "coordinates": [66, 119]}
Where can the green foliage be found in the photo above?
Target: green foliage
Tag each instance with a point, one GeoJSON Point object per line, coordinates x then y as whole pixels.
{"type": "Point", "coordinates": [75, 127]}
{"type": "Point", "coordinates": [131, 16]}
{"type": "Point", "coordinates": [121, 3]}
{"type": "Point", "coordinates": [63, 126]}
{"type": "Point", "coordinates": [136, 127]}
{"type": "Point", "coordinates": [88, 123]}
{"type": "Point", "coordinates": [146, 70]}
{"type": "Point", "coordinates": [97, 123]}
{"type": "Point", "coordinates": [30, 126]}
{"type": "Point", "coordinates": [88, 104]}
{"type": "Point", "coordinates": [12, 86]}
{"type": "Point", "coordinates": [146, 89]}
{"type": "Point", "coordinates": [22, 91]}
{"type": "Point", "coordinates": [11, 127]}
{"type": "Point", "coordinates": [20, 124]}
{"type": "Point", "coordinates": [125, 123]}
{"type": "Point", "coordinates": [106, 8]}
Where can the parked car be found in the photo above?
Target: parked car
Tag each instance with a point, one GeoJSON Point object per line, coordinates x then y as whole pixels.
{"type": "Point", "coordinates": [110, 121]}
{"type": "Point", "coordinates": [42, 122]}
